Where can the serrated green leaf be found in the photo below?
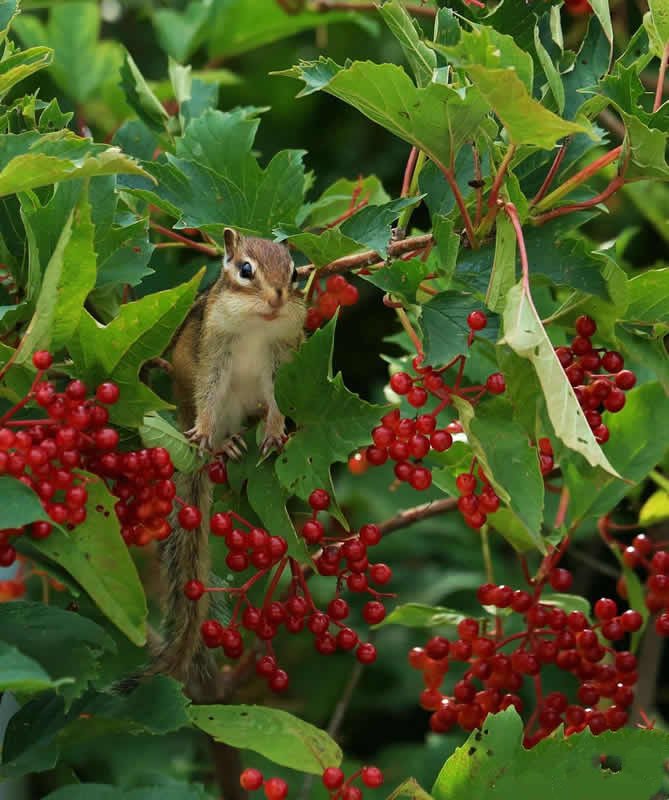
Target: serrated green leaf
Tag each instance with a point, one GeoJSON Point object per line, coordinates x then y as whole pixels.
{"type": "Point", "coordinates": [371, 225]}
{"type": "Point", "coordinates": [319, 248]}
{"type": "Point", "coordinates": [421, 59]}
{"type": "Point", "coordinates": [648, 297]}
{"type": "Point", "coordinates": [331, 421]}
{"type": "Point", "coordinates": [410, 788]}
{"type": "Point", "coordinates": [180, 33]}
{"type": "Point", "coordinates": [550, 71]}
{"type": "Point", "coordinates": [655, 509]}
{"type": "Point", "coordinates": [508, 525]}
{"type": "Point", "coordinates": [142, 330]}
{"type": "Point", "coordinates": [445, 329]}
{"type": "Point", "coordinates": [275, 734]}
{"type": "Point", "coordinates": [401, 278]}
{"type": "Point", "coordinates": [503, 274]}
{"type": "Point", "coordinates": [20, 505]}
{"type": "Point", "coordinates": [98, 558]}
{"type": "Point", "coordinates": [22, 64]}
{"type": "Point", "coordinates": [19, 673]}
{"type": "Point", "coordinates": [156, 431]}
{"type": "Point", "coordinates": [592, 62]}
{"type": "Point", "coordinates": [68, 279]}
{"type": "Point", "coordinates": [492, 763]}
{"type": "Point", "coordinates": [638, 441]}
{"type": "Point", "coordinates": [436, 119]}
{"type": "Point", "coordinates": [66, 645]}
{"type": "Point", "coordinates": [659, 12]}
{"type": "Point", "coordinates": [510, 463]}
{"type": "Point", "coordinates": [418, 615]}
{"type": "Point", "coordinates": [338, 198]}
{"type": "Point", "coordinates": [30, 160]}
{"type": "Point", "coordinates": [526, 336]}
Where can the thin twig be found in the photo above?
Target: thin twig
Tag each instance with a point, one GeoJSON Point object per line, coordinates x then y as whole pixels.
{"type": "Point", "coordinates": [450, 177]}
{"type": "Point", "coordinates": [612, 188]}
{"type": "Point", "coordinates": [408, 172]}
{"type": "Point", "coordinates": [660, 78]}
{"type": "Point", "coordinates": [411, 515]}
{"type": "Point", "coordinates": [342, 5]}
{"type": "Point", "coordinates": [369, 257]}
{"type": "Point", "coordinates": [202, 248]}
{"type": "Point", "coordinates": [555, 166]}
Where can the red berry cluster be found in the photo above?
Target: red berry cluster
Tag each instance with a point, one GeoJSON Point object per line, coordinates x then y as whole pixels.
{"type": "Point", "coordinates": [338, 292]}
{"type": "Point", "coordinates": [48, 454]}
{"type": "Point", "coordinates": [578, 8]}
{"type": "Point", "coordinates": [496, 667]}
{"type": "Point", "coordinates": [408, 440]}
{"type": "Point", "coordinates": [253, 547]}
{"type": "Point", "coordinates": [652, 558]}
{"type": "Point", "coordinates": [475, 507]}
{"type": "Point", "coordinates": [597, 375]}
{"type": "Point", "coordinates": [334, 780]}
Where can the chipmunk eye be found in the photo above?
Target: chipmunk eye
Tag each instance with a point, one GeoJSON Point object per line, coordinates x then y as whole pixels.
{"type": "Point", "coordinates": [246, 271]}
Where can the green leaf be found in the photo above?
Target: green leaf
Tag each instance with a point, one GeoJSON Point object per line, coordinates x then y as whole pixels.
{"type": "Point", "coordinates": [149, 109]}
{"type": "Point", "coordinates": [331, 421]}
{"type": "Point", "coordinates": [592, 62]}
{"type": "Point", "coordinates": [436, 119]}
{"type": "Point", "coordinates": [20, 505]}
{"type": "Point", "coordinates": [65, 644]}
{"type": "Point", "coordinates": [510, 463]}
{"type": "Point", "coordinates": [503, 274]}
{"type": "Point", "coordinates": [68, 279]}
{"type": "Point", "coordinates": [321, 248]}
{"type": "Point", "coordinates": [401, 278]}
{"type": "Point", "coordinates": [648, 297]}
{"type": "Point", "coordinates": [659, 12]}
{"type": "Point", "coordinates": [19, 673]}
{"type": "Point", "coordinates": [30, 160]}
{"type": "Point", "coordinates": [550, 71]}
{"type": "Point", "coordinates": [8, 10]}
{"type": "Point", "coordinates": [115, 352]}
{"type": "Point", "coordinates": [22, 64]}
{"type": "Point", "coordinates": [567, 602]}
{"type": "Point", "coordinates": [101, 791]}
{"type": "Point", "coordinates": [371, 225]}
{"type": "Point", "coordinates": [339, 197]}
{"type": "Point", "coordinates": [647, 148]}
{"type": "Point", "coordinates": [418, 615]}
{"type": "Point", "coordinates": [492, 763]}
{"type": "Point", "coordinates": [526, 336]}
{"type": "Point", "coordinates": [239, 26]}
{"type": "Point", "coordinates": [275, 734]}
{"type": "Point", "coordinates": [156, 431]}
{"type": "Point", "coordinates": [445, 329]}
{"type": "Point", "coordinates": [508, 525]}
{"type": "Point", "coordinates": [208, 186]}
{"type": "Point", "coordinates": [179, 34]}
{"type": "Point", "coordinates": [81, 64]}
{"type": "Point", "coordinates": [526, 119]}
{"type": "Point", "coordinates": [410, 788]}
{"type": "Point", "coordinates": [420, 57]}
{"type": "Point", "coordinates": [655, 509]}
{"type": "Point", "coordinates": [639, 440]}
{"type": "Point", "coordinates": [98, 558]}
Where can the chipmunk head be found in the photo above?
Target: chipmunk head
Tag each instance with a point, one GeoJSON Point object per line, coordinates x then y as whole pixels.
{"type": "Point", "coordinates": [261, 279]}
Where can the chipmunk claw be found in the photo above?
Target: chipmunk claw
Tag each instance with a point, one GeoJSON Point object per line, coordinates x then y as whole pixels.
{"type": "Point", "coordinates": [234, 446]}
{"type": "Point", "coordinates": [201, 440]}
{"type": "Point", "coordinates": [272, 442]}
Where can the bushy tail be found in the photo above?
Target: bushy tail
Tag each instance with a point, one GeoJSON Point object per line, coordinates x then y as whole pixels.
{"type": "Point", "coordinates": [185, 557]}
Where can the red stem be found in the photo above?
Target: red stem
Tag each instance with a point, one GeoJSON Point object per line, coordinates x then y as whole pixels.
{"type": "Point", "coordinates": [450, 177]}
{"type": "Point", "coordinates": [612, 188]}
{"type": "Point", "coordinates": [408, 171]}
{"type": "Point", "coordinates": [202, 248]}
{"type": "Point", "coordinates": [512, 213]}
{"type": "Point", "coordinates": [660, 79]}
{"type": "Point", "coordinates": [9, 414]}
{"type": "Point", "coordinates": [555, 166]}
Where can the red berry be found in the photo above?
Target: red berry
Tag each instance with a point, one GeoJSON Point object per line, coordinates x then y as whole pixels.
{"type": "Point", "coordinates": [586, 326]}
{"type": "Point", "coordinates": [107, 393]}
{"type": "Point", "coordinates": [217, 472]}
{"type": "Point", "coordinates": [581, 345]}
{"type": "Point", "coordinates": [333, 778]}
{"type": "Point", "coordinates": [401, 383]}
{"type": "Point", "coordinates": [275, 789]}
{"type": "Point", "coordinates": [366, 653]}
{"type": "Point", "coordinates": [605, 608]}
{"type": "Point", "coordinates": [194, 590]}
{"type": "Point", "coordinates": [466, 483]}
{"type": "Point", "coordinates": [561, 579]}
{"type": "Point", "coordinates": [380, 573]}
{"type": "Point", "coordinates": [319, 500]}
{"type": "Point", "coordinates": [212, 633]}
{"type": "Point", "coordinates": [495, 383]}
{"type": "Point", "coordinates": [615, 401]}
{"type": "Point", "coordinates": [420, 478]}
{"type": "Point", "coordinates": [349, 295]}
{"type": "Point", "coordinates": [441, 440]}
{"type": "Point", "coordinates": [370, 534]}
{"type": "Point", "coordinates": [314, 319]}
{"type": "Point", "coordinates": [612, 361]}
{"type": "Point", "coordinates": [336, 284]}
{"type": "Point", "coordinates": [417, 397]}
{"type": "Point", "coordinates": [313, 531]}
{"type": "Point", "coordinates": [373, 612]}
{"type": "Point", "coordinates": [42, 359]}
{"type": "Point", "coordinates": [662, 624]}
{"type": "Point", "coordinates": [251, 780]}
{"type": "Point", "coordinates": [189, 518]}
{"type": "Point", "coordinates": [279, 681]}
{"type": "Point", "coordinates": [372, 777]}
{"type": "Point", "coordinates": [477, 320]}
{"type": "Point", "coordinates": [625, 379]}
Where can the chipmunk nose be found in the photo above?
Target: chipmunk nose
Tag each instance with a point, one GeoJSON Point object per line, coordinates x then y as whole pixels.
{"type": "Point", "coordinates": [276, 299]}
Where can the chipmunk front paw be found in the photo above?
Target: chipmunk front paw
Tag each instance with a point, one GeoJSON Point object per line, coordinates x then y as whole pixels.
{"type": "Point", "coordinates": [234, 446]}
{"type": "Point", "coordinates": [200, 438]}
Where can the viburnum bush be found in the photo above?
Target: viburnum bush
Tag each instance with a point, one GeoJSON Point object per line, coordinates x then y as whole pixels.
{"type": "Point", "coordinates": [463, 578]}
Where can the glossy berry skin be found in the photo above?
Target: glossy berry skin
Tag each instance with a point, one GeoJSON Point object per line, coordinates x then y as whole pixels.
{"type": "Point", "coordinates": [401, 383]}
{"type": "Point", "coordinates": [477, 320]}
{"type": "Point", "coordinates": [275, 789]}
{"type": "Point", "coordinates": [42, 359]}
{"type": "Point", "coordinates": [194, 590]}
{"type": "Point", "coordinates": [189, 518]}
{"type": "Point", "coordinates": [319, 500]}
{"type": "Point", "coordinates": [586, 326]}
{"type": "Point", "coordinates": [251, 780]}
{"type": "Point", "coordinates": [108, 393]}
{"type": "Point", "coordinates": [366, 653]}
{"type": "Point", "coordinates": [332, 778]}
{"type": "Point", "coordinates": [372, 777]}
{"type": "Point", "coordinates": [495, 383]}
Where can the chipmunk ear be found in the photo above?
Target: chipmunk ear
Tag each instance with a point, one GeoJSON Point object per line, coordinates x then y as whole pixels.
{"type": "Point", "coordinates": [232, 242]}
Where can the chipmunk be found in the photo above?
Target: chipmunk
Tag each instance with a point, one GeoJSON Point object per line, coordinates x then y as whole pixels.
{"type": "Point", "coordinates": [225, 357]}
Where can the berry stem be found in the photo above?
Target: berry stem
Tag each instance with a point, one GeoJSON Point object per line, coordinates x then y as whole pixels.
{"type": "Point", "coordinates": [450, 177]}
{"type": "Point", "coordinates": [563, 505]}
{"type": "Point", "coordinates": [408, 327]}
{"type": "Point", "coordinates": [348, 213]}
{"type": "Point", "coordinates": [512, 213]}
{"type": "Point", "coordinates": [409, 171]}
{"type": "Point", "coordinates": [611, 189]}
{"type": "Point", "coordinates": [660, 78]}
{"type": "Point", "coordinates": [275, 580]}
{"type": "Point", "coordinates": [202, 248]}
{"type": "Point", "coordinates": [580, 177]}
{"type": "Point", "coordinates": [552, 172]}
{"type": "Point", "coordinates": [487, 559]}
{"type": "Point", "coordinates": [410, 515]}
{"type": "Point", "coordinates": [10, 413]}
{"type": "Point", "coordinates": [493, 197]}
{"type": "Point", "coordinates": [345, 5]}
{"type": "Point", "coordinates": [479, 185]}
